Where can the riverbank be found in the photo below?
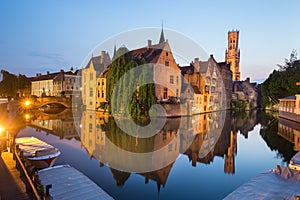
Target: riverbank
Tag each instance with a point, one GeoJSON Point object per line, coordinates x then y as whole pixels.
{"type": "Point", "coordinates": [11, 184]}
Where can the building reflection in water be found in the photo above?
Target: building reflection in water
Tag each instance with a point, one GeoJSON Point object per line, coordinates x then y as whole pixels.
{"type": "Point", "coordinates": [290, 131]}
{"type": "Point", "coordinates": [200, 138]}
{"type": "Point", "coordinates": [61, 125]}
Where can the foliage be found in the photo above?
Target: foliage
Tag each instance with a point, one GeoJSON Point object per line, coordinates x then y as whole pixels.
{"type": "Point", "coordinates": [131, 87]}
{"type": "Point", "coordinates": [11, 83]}
{"type": "Point", "coordinates": [239, 105]}
{"type": "Point", "coordinates": [281, 83]}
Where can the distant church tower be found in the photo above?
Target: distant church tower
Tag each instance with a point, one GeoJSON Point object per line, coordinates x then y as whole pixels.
{"type": "Point", "coordinates": [232, 54]}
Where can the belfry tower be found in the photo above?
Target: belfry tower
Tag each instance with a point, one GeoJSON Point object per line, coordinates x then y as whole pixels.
{"type": "Point", "coordinates": [232, 54]}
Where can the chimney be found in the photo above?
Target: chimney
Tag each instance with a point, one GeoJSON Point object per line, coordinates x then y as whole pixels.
{"type": "Point", "coordinates": [48, 72]}
{"type": "Point", "coordinates": [196, 64]}
{"type": "Point", "coordinates": [149, 43]}
{"type": "Point", "coordinates": [102, 57]}
{"type": "Point", "coordinates": [61, 71]}
{"type": "Point", "coordinates": [37, 74]}
{"type": "Point", "coordinates": [72, 70]}
{"type": "Point", "coordinates": [248, 79]}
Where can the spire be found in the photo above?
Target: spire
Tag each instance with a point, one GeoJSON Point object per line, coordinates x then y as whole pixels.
{"type": "Point", "coordinates": [115, 52]}
{"type": "Point", "coordinates": [162, 37]}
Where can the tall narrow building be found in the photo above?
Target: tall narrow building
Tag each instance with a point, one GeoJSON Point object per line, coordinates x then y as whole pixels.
{"type": "Point", "coordinates": [233, 54]}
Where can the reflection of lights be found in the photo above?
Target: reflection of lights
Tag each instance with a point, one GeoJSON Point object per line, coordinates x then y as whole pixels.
{"type": "Point", "coordinates": [80, 125]}
{"type": "Point", "coordinates": [27, 116]}
{"type": "Point", "coordinates": [27, 103]}
{"type": "Point", "coordinates": [1, 129]}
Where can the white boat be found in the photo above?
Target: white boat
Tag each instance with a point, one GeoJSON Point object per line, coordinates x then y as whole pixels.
{"type": "Point", "coordinates": [295, 162]}
{"type": "Point", "coordinates": [38, 152]}
{"type": "Point", "coordinates": [68, 183]}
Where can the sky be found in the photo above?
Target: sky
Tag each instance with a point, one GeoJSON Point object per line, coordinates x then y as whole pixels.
{"type": "Point", "coordinates": [39, 36]}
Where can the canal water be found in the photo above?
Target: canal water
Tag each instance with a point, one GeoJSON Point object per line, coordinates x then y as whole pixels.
{"type": "Point", "coordinates": [201, 159]}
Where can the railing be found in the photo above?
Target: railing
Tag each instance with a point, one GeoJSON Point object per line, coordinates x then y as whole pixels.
{"type": "Point", "coordinates": [19, 163]}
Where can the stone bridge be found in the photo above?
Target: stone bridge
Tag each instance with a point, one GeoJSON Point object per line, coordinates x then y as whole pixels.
{"type": "Point", "coordinates": [43, 101]}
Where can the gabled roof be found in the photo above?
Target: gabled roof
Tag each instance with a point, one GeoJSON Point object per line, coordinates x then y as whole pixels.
{"type": "Point", "coordinates": [196, 90]}
{"type": "Point", "coordinates": [99, 63]}
{"type": "Point", "coordinates": [187, 69]}
{"type": "Point", "coordinates": [150, 54]}
{"type": "Point", "coordinates": [48, 76]}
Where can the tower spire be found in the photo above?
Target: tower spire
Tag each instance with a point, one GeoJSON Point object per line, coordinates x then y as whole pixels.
{"type": "Point", "coordinates": [162, 37]}
{"type": "Point", "coordinates": [115, 52]}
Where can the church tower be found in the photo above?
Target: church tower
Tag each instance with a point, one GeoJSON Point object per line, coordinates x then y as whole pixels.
{"type": "Point", "coordinates": [232, 54]}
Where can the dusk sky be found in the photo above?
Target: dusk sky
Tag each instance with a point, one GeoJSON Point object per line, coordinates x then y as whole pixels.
{"type": "Point", "coordinates": [40, 36]}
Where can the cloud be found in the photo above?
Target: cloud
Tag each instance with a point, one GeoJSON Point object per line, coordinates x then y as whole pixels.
{"type": "Point", "coordinates": [54, 59]}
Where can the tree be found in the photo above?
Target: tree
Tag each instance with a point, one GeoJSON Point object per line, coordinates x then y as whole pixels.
{"type": "Point", "coordinates": [281, 83]}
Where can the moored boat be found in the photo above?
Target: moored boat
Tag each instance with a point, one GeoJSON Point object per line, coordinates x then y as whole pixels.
{"type": "Point", "coordinates": [39, 153]}
{"type": "Point", "coordinates": [295, 162]}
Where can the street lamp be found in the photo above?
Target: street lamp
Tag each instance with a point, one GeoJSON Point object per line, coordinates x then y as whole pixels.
{"type": "Point", "coordinates": [27, 103]}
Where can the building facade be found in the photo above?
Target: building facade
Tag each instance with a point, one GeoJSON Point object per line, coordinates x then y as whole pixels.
{"type": "Point", "coordinates": [166, 74]}
{"type": "Point", "coordinates": [95, 66]}
{"type": "Point", "coordinates": [232, 54]}
{"type": "Point", "coordinates": [66, 84]}
{"type": "Point", "coordinates": [289, 107]}
{"type": "Point", "coordinates": [42, 85]}
{"type": "Point", "coordinates": [247, 92]}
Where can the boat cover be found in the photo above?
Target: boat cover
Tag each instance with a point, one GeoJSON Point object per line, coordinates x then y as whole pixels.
{"type": "Point", "coordinates": [280, 183]}
{"type": "Point", "coordinates": [31, 147]}
{"type": "Point", "coordinates": [69, 183]}
{"type": "Point", "coordinates": [296, 158]}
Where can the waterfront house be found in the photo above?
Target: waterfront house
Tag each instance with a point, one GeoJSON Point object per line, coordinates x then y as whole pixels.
{"type": "Point", "coordinates": [102, 88]}
{"type": "Point", "coordinates": [42, 85]}
{"type": "Point", "coordinates": [95, 66]}
{"type": "Point", "coordinates": [289, 107]}
{"type": "Point", "coordinates": [66, 84]}
{"type": "Point", "coordinates": [247, 92]}
{"type": "Point", "coordinates": [205, 79]}
{"type": "Point", "coordinates": [166, 71]}
{"type": "Point", "coordinates": [55, 84]}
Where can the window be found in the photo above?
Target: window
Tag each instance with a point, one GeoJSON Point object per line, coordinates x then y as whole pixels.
{"type": "Point", "coordinates": [165, 93]}
{"type": "Point", "coordinates": [98, 94]}
{"type": "Point", "coordinates": [170, 147]}
{"type": "Point", "coordinates": [177, 80]}
{"type": "Point", "coordinates": [167, 63]}
{"type": "Point", "coordinates": [91, 92]}
{"type": "Point", "coordinates": [207, 88]}
{"type": "Point", "coordinates": [102, 94]}
{"type": "Point", "coordinates": [164, 136]}
{"type": "Point", "coordinates": [177, 93]}
{"type": "Point", "coordinates": [205, 98]}
{"type": "Point", "coordinates": [91, 76]}
{"type": "Point", "coordinates": [102, 82]}
{"type": "Point", "coordinates": [166, 53]}
{"type": "Point", "coordinates": [171, 79]}
{"type": "Point", "coordinates": [90, 127]}
{"type": "Point", "coordinates": [213, 89]}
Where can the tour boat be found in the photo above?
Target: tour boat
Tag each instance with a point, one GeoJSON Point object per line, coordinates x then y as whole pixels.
{"type": "Point", "coordinates": [39, 153]}
{"type": "Point", "coordinates": [295, 162]}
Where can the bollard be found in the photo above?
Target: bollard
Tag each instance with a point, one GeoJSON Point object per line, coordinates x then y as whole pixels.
{"type": "Point", "coordinates": [48, 196]}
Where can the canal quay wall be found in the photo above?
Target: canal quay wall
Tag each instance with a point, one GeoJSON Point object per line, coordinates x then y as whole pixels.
{"type": "Point", "coordinates": [11, 184]}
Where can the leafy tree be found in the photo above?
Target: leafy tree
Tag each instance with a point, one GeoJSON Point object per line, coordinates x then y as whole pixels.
{"type": "Point", "coordinates": [133, 87]}
{"type": "Point", "coordinates": [11, 83]}
{"type": "Point", "coordinates": [282, 82]}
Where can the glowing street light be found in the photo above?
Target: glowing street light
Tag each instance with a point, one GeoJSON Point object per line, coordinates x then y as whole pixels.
{"type": "Point", "coordinates": [1, 130]}
{"type": "Point", "coordinates": [27, 103]}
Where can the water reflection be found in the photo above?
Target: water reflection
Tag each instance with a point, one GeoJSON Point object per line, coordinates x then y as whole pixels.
{"type": "Point", "coordinates": [201, 139]}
